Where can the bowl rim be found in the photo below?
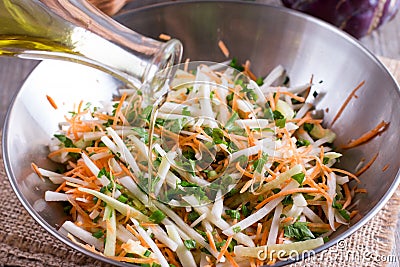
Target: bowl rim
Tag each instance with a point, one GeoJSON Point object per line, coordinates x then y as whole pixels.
{"type": "Point", "coordinates": [319, 22]}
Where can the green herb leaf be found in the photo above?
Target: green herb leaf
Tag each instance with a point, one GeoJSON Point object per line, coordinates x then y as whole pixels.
{"type": "Point", "coordinates": [234, 214]}
{"type": "Point", "coordinates": [147, 253]}
{"type": "Point", "coordinates": [186, 112]}
{"type": "Point", "coordinates": [65, 140]}
{"type": "Point", "coordinates": [104, 172]}
{"type": "Point", "coordinates": [236, 229]}
{"type": "Point", "coordinates": [280, 123]}
{"type": "Point", "coordinates": [287, 200]}
{"type": "Point", "coordinates": [251, 95]}
{"type": "Point", "coordinates": [345, 214]}
{"type": "Point", "coordinates": [234, 64]}
{"type": "Point", "coordinates": [299, 177]}
{"type": "Point", "coordinates": [187, 184]}
{"type": "Point", "coordinates": [302, 142]}
{"type": "Point", "coordinates": [219, 245]}
{"type": "Point", "coordinates": [192, 216]}
{"type": "Point", "coordinates": [336, 205]}
{"type": "Point", "coordinates": [98, 234]}
{"type": "Point", "coordinates": [218, 136]}
{"type": "Point", "coordinates": [259, 163]}
{"type": "Point", "coordinates": [308, 127]}
{"type": "Point", "coordinates": [146, 113]}
{"type": "Point", "coordinates": [143, 134]}
{"type": "Point", "coordinates": [122, 199]}
{"type": "Point", "coordinates": [299, 231]}
{"type": "Point", "coordinates": [245, 210]}
{"type": "Point", "coordinates": [277, 115]}
{"type": "Point", "coordinates": [232, 120]}
{"type": "Point", "coordinates": [260, 81]}
{"type": "Point", "coordinates": [189, 244]}
{"type": "Point", "coordinates": [157, 216]}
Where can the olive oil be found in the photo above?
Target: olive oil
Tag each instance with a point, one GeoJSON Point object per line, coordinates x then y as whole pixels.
{"type": "Point", "coordinates": [12, 45]}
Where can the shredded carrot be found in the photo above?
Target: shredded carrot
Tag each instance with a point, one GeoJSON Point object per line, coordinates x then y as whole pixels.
{"type": "Point", "coordinates": [380, 128]}
{"type": "Point", "coordinates": [346, 102]}
{"type": "Point", "coordinates": [348, 196]}
{"type": "Point", "coordinates": [247, 70]}
{"type": "Point", "coordinates": [136, 234]}
{"type": "Point", "coordinates": [276, 98]}
{"type": "Point", "coordinates": [223, 48]}
{"type": "Point", "coordinates": [385, 167]}
{"type": "Point", "coordinates": [171, 257]}
{"type": "Point", "coordinates": [211, 241]}
{"type": "Point", "coordinates": [319, 226]}
{"type": "Point", "coordinates": [231, 259]}
{"type": "Point", "coordinates": [134, 260]}
{"type": "Point", "coordinates": [118, 109]}
{"type": "Point", "coordinates": [243, 171]}
{"type": "Point", "coordinates": [164, 37]}
{"type": "Point", "coordinates": [287, 219]}
{"type": "Point", "coordinates": [52, 102]}
{"type": "Point", "coordinates": [366, 167]}
{"type": "Point", "coordinates": [361, 190]}
{"type": "Point", "coordinates": [353, 213]}
{"type": "Point", "coordinates": [36, 170]}
{"type": "Point", "coordinates": [347, 173]}
{"type": "Point", "coordinates": [285, 193]}
{"type": "Point", "coordinates": [224, 248]}
{"type": "Point", "coordinates": [65, 149]}
{"type": "Point", "coordinates": [291, 95]}
{"type": "Point", "coordinates": [281, 237]}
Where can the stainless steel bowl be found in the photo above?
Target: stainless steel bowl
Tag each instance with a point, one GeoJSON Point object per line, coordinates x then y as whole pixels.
{"type": "Point", "coordinates": [265, 35]}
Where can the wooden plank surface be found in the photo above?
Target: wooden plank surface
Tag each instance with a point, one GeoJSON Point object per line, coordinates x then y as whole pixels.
{"type": "Point", "coordinates": [383, 42]}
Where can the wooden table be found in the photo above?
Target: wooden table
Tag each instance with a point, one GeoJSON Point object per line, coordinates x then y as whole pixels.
{"type": "Point", "coordinates": [383, 42]}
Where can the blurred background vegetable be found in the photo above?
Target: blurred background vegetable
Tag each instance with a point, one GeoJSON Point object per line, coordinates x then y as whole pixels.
{"type": "Point", "coordinates": [357, 17]}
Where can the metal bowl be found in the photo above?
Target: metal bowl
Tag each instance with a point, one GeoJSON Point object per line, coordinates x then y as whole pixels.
{"type": "Point", "coordinates": [265, 35]}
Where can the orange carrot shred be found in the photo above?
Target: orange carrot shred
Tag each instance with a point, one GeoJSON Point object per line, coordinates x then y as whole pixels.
{"type": "Point", "coordinates": [346, 102]}
{"type": "Point", "coordinates": [366, 167]}
{"type": "Point", "coordinates": [211, 241]}
{"type": "Point", "coordinates": [285, 193]}
{"type": "Point", "coordinates": [380, 128]}
{"type": "Point", "coordinates": [223, 48]}
{"type": "Point", "coordinates": [385, 167]}
{"type": "Point", "coordinates": [51, 101]}
{"type": "Point", "coordinates": [164, 37]}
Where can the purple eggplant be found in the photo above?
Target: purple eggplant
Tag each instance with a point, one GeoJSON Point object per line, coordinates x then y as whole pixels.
{"type": "Point", "coordinates": [357, 17]}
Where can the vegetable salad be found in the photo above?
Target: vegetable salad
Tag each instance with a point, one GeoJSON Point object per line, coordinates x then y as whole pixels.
{"type": "Point", "coordinates": [237, 165]}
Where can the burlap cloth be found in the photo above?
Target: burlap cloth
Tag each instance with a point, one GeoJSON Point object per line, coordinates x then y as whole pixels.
{"type": "Point", "coordinates": [24, 243]}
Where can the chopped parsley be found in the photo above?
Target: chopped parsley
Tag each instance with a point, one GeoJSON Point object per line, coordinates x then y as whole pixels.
{"type": "Point", "coordinates": [157, 216]}
{"type": "Point", "coordinates": [186, 112]}
{"type": "Point", "coordinates": [234, 64]}
{"type": "Point", "coordinates": [189, 244]}
{"type": "Point", "coordinates": [259, 163]}
{"type": "Point", "coordinates": [236, 229]}
{"type": "Point", "coordinates": [298, 231]}
{"type": "Point", "coordinates": [234, 214]}
{"type": "Point", "coordinates": [299, 177]}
